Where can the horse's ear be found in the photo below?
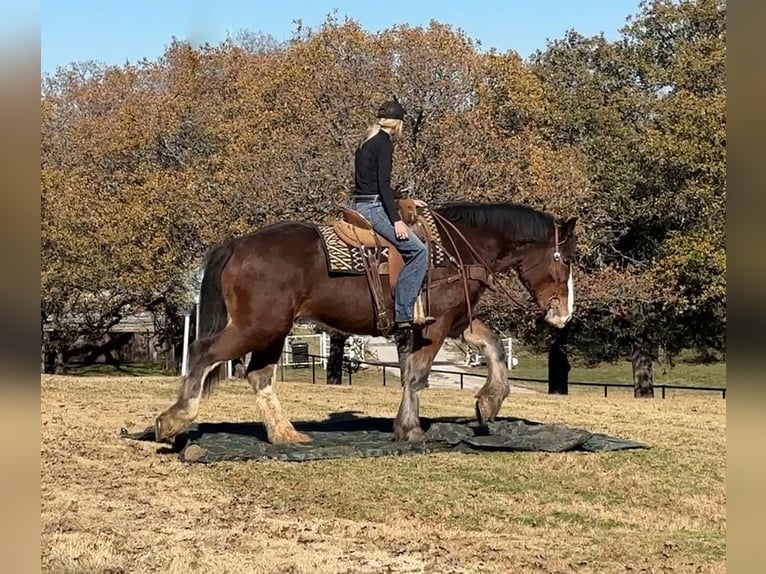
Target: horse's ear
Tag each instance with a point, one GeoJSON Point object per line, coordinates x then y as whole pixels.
{"type": "Point", "coordinates": [568, 227]}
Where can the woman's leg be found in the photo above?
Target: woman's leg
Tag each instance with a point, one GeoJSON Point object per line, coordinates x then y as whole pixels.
{"type": "Point", "coordinates": [415, 256]}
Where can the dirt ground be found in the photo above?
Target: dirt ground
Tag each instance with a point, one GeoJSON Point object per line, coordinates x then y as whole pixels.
{"type": "Point", "coordinates": [115, 506]}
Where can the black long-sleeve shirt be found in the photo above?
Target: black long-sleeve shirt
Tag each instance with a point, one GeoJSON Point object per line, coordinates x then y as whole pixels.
{"type": "Point", "coordinates": [373, 163]}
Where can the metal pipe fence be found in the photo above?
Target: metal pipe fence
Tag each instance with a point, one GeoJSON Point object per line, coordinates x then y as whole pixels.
{"type": "Point", "coordinates": [348, 370]}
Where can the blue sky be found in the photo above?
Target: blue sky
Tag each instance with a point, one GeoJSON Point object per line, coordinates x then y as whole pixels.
{"type": "Point", "coordinates": [116, 31]}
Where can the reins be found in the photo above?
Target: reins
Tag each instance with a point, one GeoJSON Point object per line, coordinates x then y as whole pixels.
{"type": "Point", "coordinates": [481, 261]}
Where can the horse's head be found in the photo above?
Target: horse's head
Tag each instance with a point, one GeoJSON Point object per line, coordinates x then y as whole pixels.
{"type": "Point", "coordinates": [536, 245]}
{"type": "Point", "coordinates": [545, 269]}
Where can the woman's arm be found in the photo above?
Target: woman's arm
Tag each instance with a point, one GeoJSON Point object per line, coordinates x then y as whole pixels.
{"type": "Point", "coordinates": [385, 161]}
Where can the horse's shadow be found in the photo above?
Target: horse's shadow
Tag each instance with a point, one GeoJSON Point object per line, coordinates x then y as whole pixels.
{"type": "Point", "coordinates": [343, 421]}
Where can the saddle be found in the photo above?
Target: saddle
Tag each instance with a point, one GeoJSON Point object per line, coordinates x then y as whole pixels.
{"type": "Point", "coordinates": [356, 231]}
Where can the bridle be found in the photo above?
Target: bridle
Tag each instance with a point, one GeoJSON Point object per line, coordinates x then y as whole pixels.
{"type": "Point", "coordinates": [556, 252]}
{"type": "Point", "coordinates": [494, 283]}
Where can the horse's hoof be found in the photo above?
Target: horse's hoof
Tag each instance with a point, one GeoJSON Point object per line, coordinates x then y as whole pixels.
{"type": "Point", "coordinates": [416, 434]}
{"type": "Point", "coordinates": [288, 436]}
{"type": "Point", "coordinates": [168, 425]}
{"type": "Point", "coordinates": [485, 411]}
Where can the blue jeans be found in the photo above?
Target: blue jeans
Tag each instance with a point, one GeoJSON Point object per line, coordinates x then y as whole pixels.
{"type": "Point", "coordinates": [414, 253]}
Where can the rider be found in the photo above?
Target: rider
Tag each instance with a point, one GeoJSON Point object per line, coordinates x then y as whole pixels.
{"type": "Point", "coordinates": [374, 198]}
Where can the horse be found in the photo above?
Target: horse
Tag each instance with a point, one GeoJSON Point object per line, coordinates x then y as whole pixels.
{"type": "Point", "coordinates": [255, 286]}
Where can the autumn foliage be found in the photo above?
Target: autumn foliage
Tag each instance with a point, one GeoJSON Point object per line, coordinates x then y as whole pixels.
{"type": "Point", "coordinates": [145, 165]}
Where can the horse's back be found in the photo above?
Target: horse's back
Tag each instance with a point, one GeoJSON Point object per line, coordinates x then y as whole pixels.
{"type": "Point", "coordinates": [294, 244]}
{"type": "Point", "coordinates": [279, 228]}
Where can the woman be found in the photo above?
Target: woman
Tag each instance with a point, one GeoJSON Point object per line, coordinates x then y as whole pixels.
{"type": "Point", "coordinates": [374, 198]}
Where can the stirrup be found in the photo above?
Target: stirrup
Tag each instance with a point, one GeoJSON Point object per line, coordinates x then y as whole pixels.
{"type": "Point", "coordinates": [420, 318]}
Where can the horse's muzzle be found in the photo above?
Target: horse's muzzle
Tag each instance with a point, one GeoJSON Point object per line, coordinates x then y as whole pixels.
{"type": "Point", "coordinates": [554, 317]}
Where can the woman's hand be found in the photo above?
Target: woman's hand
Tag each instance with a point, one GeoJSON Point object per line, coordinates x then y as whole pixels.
{"type": "Point", "coordinates": [400, 228]}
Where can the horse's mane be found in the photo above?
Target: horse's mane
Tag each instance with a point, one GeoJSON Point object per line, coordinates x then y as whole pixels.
{"type": "Point", "coordinates": [524, 222]}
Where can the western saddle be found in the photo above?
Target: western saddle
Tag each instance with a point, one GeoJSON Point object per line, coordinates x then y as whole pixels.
{"type": "Point", "coordinates": [356, 231]}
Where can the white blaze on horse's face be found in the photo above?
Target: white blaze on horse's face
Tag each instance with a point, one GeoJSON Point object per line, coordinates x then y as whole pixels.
{"type": "Point", "coordinates": [559, 314]}
{"type": "Point", "coordinates": [570, 296]}
{"type": "Point", "coordinates": [548, 275]}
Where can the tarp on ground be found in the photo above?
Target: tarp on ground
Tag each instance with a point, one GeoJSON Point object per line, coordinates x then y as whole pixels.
{"type": "Point", "coordinates": [346, 435]}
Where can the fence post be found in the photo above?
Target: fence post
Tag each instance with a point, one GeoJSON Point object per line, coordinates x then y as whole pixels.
{"type": "Point", "coordinates": [384, 375]}
{"type": "Point", "coordinates": [606, 387]}
{"type": "Point", "coordinates": [349, 373]}
{"type": "Point", "coordinates": [185, 353]}
{"type": "Point", "coordinates": [723, 393]}
{"type": "Point", "coordinates": [313, 370]}
{"type": "Point", "coordinates": [663, 391]}
{"type": "Point", "coordinates": [461, 381]}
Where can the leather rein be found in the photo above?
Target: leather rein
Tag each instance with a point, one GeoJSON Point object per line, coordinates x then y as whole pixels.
{"type": "Point", "coordinates": [493, 282]}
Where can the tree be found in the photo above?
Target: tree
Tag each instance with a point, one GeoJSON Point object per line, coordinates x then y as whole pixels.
{"type": "Point", "coordinates": [124, 162]}
{"type": "Point", "coordinates": [145, 166]}
{"type": "Point", "coordinates": [647, 112]}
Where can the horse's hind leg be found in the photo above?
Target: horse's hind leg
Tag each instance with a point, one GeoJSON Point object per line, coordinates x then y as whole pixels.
{"type": "Point", "coordinates": [204, 356]}
{"type": "Point", "coordinates": [490, 397]}
{"type": "Point", "coordinates": [261, 374]}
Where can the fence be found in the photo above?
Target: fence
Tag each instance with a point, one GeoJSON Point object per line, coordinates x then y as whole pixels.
{"type": "Point", "coordinates": [348, 370]}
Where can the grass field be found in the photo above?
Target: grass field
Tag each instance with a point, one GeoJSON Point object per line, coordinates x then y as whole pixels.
{"type": "Point", "coordinates": [685, 373]}
{"type": "Point", "coordinates": [116, 506]}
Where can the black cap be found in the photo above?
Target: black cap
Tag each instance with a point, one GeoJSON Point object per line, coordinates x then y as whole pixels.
{"type": "Point", "coordinates": [391, 110]}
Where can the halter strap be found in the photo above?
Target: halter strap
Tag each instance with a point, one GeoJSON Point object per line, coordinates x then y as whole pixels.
{"type": "Point", "coordinates": [556, 252]}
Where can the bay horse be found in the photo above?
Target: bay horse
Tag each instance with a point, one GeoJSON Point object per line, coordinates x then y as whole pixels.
{"type": "Point", "coordinates": [255, 286]}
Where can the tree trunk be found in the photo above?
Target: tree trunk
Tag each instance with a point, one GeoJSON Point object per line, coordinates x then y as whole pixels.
{"type": "Point", "coordinates": [643, 377]}
{"type": "Point", "coordinates": [48, 360]}
{"type": "Point", "coordinates": [335, 359]}
{"type": "Point", "coordinates": [52, 359]}
{"type": "Point", "coordinates": [558, 366]}
{"type": "Point", "coordinates": [59, 362]}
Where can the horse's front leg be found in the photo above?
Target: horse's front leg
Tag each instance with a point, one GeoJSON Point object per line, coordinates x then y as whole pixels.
{"type": "Point", "coordinates": [417, 351]}
{"type": "Point", "coordinates": [490, 397]}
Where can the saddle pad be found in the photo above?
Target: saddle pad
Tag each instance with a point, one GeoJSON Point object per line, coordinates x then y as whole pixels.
{"type": "Point", "coordinates": [342, 258]}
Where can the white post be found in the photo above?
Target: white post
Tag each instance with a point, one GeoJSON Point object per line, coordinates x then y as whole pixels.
{"type": "Point", "coordinates": [228, 369]}
{"type": "Point", "coordinates": [285, 352]}
{"type": "Point", "coordinates": [185, 356]}
{"type": "Point", "coordinates": [324, 344]}
{"type": "Point", "coordinates": [198, 299]}
{"type": "Point", "coordinates": [196, 312]}
{"type": "Point", "coordinates": [509, 355]}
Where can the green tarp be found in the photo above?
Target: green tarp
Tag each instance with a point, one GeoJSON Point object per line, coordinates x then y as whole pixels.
{"type": "Point", "coordinates": [345, 435]}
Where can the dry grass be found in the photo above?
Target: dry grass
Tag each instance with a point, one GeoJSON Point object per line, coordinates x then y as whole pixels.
{"type": "Point", "coordinates": [110, 505]}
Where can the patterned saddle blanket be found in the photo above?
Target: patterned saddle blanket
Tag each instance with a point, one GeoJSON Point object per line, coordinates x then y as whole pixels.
{"type": "Point", "coordinates": [343, 258]}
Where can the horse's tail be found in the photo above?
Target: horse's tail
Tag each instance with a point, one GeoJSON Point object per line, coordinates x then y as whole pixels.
{"type": "Point", "coordinates": [213, 316]}
{"type": "Point", "coordinates": [212, 307]}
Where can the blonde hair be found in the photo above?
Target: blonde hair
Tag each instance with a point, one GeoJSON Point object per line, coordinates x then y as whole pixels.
{"type": "Point", "coordinates": [396, 126]}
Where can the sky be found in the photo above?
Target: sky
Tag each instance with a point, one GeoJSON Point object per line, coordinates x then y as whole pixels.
{"type": "Point", "coordinates": [116, 31]}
